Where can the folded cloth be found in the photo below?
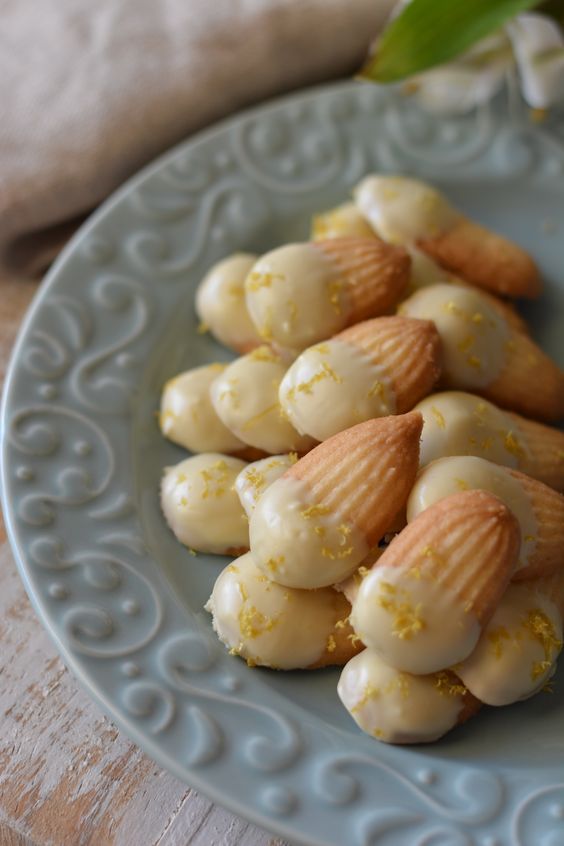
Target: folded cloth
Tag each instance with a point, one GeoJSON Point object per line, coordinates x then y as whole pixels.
{"type": "Point", "coordinates": [90, 91]}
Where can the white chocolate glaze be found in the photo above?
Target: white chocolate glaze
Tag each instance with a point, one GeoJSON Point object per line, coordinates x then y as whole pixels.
{"type": "Point", "coordinates": [398, 707]}
{"type": "Point", "coordinates": [403, 210]}
{"type": "Point", "coordinates": [300, 544]}
{"type": "Point", "coordinates": [332, 386]}
{"type": "Point", "coordinates": [220, 302]}
{"type": "Point", "coordinates": [474, 336]}
{"type": "Point", "coordinates": [268, 624]}
{"type": "Point", "coordinates": [517, 652]}
{"type": "Point", "coordinates": [187, 416]}
{"type": "Point", "coordinates": [415, 624]}
{"type": "Point", "coordinates": [344, 221]}
{"type": "Point", "coordinates": [296, 297]}
{"type": "Point", "coordinates": [200, 505]}
{"type": "Point", "coordinates": [245, 398]}
{"type": "Point", "coordinates": [451, 475]}
{"type": "Point", "coordinates": [456, 423]}
{"type": "Point", "coordinates": [255, 478]}
{"type": "Point", "coordinates": [350, 586]}
{"type": "Point", "coordinates": [425, 271]}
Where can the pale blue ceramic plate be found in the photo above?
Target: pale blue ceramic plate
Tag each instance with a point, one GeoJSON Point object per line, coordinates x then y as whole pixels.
{"type": "Point", "coordinates": [82, 458]}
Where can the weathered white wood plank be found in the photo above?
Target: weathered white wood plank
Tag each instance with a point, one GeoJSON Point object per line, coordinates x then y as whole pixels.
{"type": "Point", "coordinates": [9, 837]}
{"type": "Point", "coordinates": [66, 774]}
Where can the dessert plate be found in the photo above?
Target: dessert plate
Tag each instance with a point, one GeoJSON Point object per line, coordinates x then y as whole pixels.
{"type": "Point", "coordinates": [82, 458]}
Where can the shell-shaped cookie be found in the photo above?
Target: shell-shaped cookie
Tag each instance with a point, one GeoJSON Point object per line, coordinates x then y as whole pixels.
{"type": "Point", "coordinates": [517, 651]}
{"type": "Point", "coordinates": [344, 221]}
{"type": "Point", "coordinates": [350, 586]}
{"type": "Point", "coordinates": [485, 258]}
{"type": "Point", "coordinates": [187, 416]}
{"type": "Point", "coordinates": [473, 334]}
{"type": "Point", "coordinates": [482, 352]}
{"type": "Point", "coordinates": [403, 210]}
{"type": "Point", "coordinates": [423, 604]}
{"type": "Point", "coordinates": [530, 382]}
{"type": "Point", "coordinates": [256, 477]}
{"type": "Point", "coordinates": [373, 369]}
{"type": "Point", "coordinates": [548, 508]}
{"type": "Point", "coordinates": [314, 525]}
{"type": "Point", "coordinates": [459, 423]}
{"type": "Point", "coordinates": [505, 308]}
{"type": "Point", "coordinates": [408, 350]}
{"type": "Point", "coordinates": [426, 272]}
{"type": "Point", "coordinates": [551, 586]}
{"type": "Point", "coordinates": [398, 707]}
{"type": "Point", "coordinates": [300, 294]}
{"type": "Point", "coordinates": [200, 504]}
{"type": "Point", "coordinates": [375, 273]}
{"type": "Point", "coordinates": [220, 303]}
{"type": "Point", "coordinates": [280, 627]}
{"type": "Point", "coordinates": [408, 211]}
{"type": "Point", "coordinates": [542, 456]}
{"type": "Point", "coordinates": [538, 508]}
{"type": "Point", "coordinates": [245, 398]}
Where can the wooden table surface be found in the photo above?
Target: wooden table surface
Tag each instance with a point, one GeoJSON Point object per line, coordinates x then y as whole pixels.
{"type": "Point", "coordinates": [67, 776]}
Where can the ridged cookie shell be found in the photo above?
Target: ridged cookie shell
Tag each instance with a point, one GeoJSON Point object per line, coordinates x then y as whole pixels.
{"type": "Point", "coordinates": [409, 350]}
{"type": "Point", "coordinates": [548, 508]}
{"type": "Point", "coordinates": [530, 382]}
{"type": "Point", "coordinates": [375, 273]}
{"type": "Point", "coordinates": [543, 458]}
{"type": "Point", "coordinates": [485, 258]}
{"type": "Point", "coordinates": [467, 542]}
{"type": "Point", "coordinates": [365, 473]}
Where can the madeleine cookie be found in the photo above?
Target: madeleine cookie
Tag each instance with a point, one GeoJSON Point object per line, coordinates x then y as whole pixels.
{"type": "Point", "coordinates": [425, 272]}
{"type": "Point", "coordinates": [313, 526]}
{"type": "Point", "coordinates": [458, 423]}
{"type": "Point", "coordinates": [350, 586]}
{"type": "Point", "coordinates": [398, 707]}
{"type": "Point", "coordinates": [548, 508]}
{"type": "Point", "coordinates": [200, 504]}
{"type": "Point", "coordinates": [424, 602]}
{"type": "Point", "coordinates": [543, 451]}
{"type": "Point", "coordinates": [279, 627]}
{"type": "Point", "coordinates": [483, 353]}
{"type": "Point", "coordinates": [300, 294]}
{"type": "Point", "coordinates": [538, 508]}
{"type": "Point", "coordinates": [403, 210]}
{"type": "Point", "coordinates": [503, 307]}
{"type": "Point", "coordinates": [373, 369]}
{"type": "Point", "coordinates": [220, 303]}
{"type": "Point", "coordinates": [187, 416]}
{"type": "Point", "coordinates": [245, 398]}
{"type": "Point", "coordinates": [255, 478]}
{"type": "Point", "coordinates": [517, 652]}
{"type": "Point", "coordinates": [344, 221]}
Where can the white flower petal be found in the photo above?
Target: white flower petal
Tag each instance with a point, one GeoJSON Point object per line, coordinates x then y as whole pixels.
{"type": "Point", "coordinates": [455, 90]}
{"type": "Point", "coordinates": [538, 44]}
{"type": "Point", "coordinates": [472, 79]}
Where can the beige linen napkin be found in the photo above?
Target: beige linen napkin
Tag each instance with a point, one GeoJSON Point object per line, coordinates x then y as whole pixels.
{"type": "Point", "coordinates": [90, 90]}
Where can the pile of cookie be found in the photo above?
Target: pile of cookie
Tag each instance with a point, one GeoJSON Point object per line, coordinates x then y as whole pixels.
{"type": "Point", "coordinates": [391, 501]}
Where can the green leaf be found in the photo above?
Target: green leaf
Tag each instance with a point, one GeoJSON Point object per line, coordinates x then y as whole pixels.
{"type": "Point", "coordinates": [430, 32]}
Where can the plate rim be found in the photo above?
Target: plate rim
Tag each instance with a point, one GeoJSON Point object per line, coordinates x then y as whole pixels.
{"type": "Point", "coordinates": [73, 659]}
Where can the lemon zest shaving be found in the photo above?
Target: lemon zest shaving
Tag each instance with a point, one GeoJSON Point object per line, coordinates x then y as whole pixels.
{"type": "Point", "coordinates": [439, 417]}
